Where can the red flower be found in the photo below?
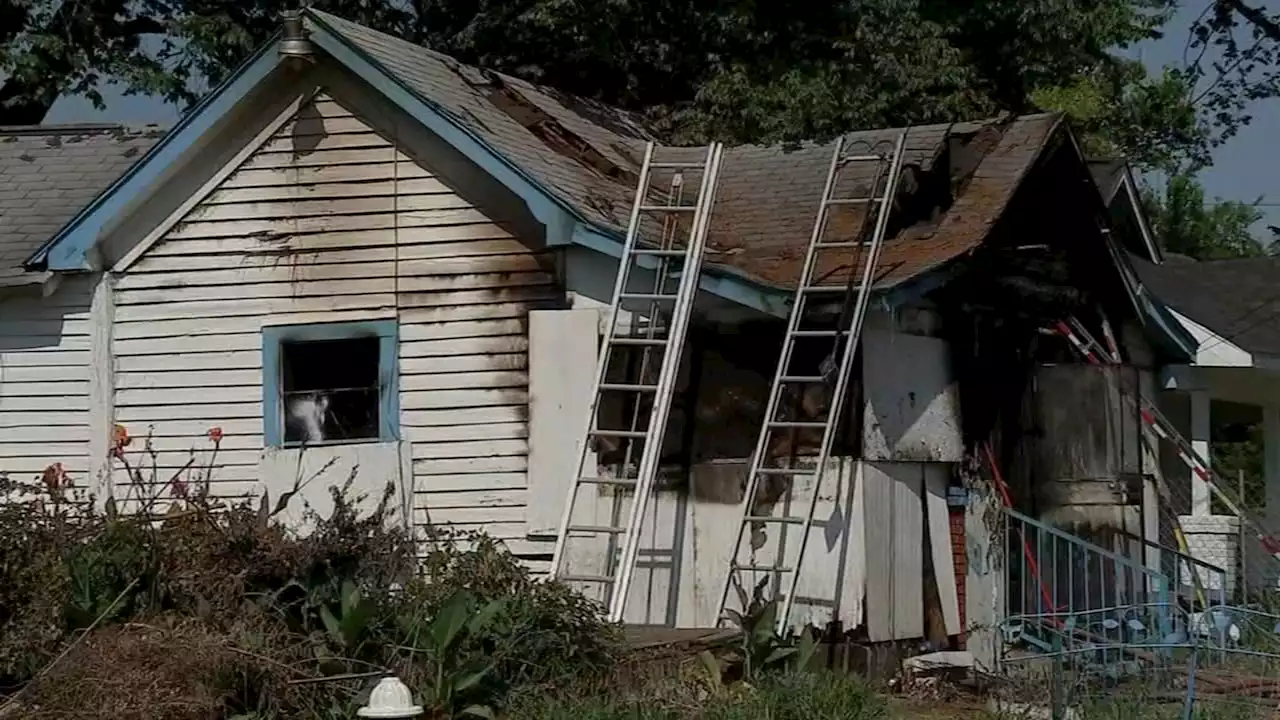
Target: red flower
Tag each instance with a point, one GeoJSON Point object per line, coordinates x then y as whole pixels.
{"type": "Point", "coordinates": [119, 440]}
{"type": "Point", "coordinates": [215, 434]}
{"type": "Point", "coordinates": [55, 477]}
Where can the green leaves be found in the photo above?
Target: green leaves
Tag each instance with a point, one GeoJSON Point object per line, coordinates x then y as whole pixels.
{"type": "Point", "coordinates": [735, 71]}
{"type": "Point", "coordinates": [458, 670]}
{"type": "Point", "coordinates": [1188, 224]}
{"type": "Point", "coordinates": [760, 647]}
{"type": "Point", "coordinates": [358, 613]}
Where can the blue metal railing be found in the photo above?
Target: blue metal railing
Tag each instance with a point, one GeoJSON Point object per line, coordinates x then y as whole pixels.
{"type": "Point", "coordinates": [1179, 565]}
{"type": "Point", "coordinates": [1052, 574]}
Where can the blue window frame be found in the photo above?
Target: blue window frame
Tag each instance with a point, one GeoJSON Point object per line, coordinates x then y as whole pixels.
{"type": "Point", "coordinates": [330, 383]}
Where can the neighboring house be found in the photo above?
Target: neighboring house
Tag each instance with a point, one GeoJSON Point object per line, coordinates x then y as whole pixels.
{"type": "Point", "coordinates": [428, 247]}
{"type": "Point", "coordinates": [1232, 308]}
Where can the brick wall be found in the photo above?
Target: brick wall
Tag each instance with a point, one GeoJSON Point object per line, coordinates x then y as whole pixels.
{"type": "Point", "coordinates": [960, 560]}
{"type": "Point", "coordinates": [1214, 539]}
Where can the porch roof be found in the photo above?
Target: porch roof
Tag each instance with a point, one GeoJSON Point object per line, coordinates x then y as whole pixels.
{"type": "Point", "coordinates": [1238, 301]}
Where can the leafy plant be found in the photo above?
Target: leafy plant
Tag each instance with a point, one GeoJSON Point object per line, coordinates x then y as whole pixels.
{"type": "Point", "coordinates": [760, 647]}
{"type": "Point", "coordinates": [351, 625]}
{"type": "Point", "coordinates": [546, 633]}
{"type": "Point", "coordinates": [456, 676]}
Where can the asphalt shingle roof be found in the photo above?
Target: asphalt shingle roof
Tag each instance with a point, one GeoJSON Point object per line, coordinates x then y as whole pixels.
{"type": "Point", "coordinates": [48, 173]}
{"type": "Point", "coordinates": [588, 155]}
{"type": "Point", "coordinates": [1108, 174]}
{"type": "Point", "coordinates": [767, 198]}
{"type": "Point", "coordinates": [1237, 299]}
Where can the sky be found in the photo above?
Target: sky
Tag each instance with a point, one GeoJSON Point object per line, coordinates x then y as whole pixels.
{"type": "Point", "coordinates": [1245, 168]}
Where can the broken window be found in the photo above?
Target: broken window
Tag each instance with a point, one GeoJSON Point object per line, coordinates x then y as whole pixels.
{"type": "Point", "coordinates": [330, 383]}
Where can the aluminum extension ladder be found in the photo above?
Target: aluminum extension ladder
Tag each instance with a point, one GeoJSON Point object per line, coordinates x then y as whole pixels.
{"type": "Point", "coordinates": [811, 290]}
{"type": "Point", "coordinates": [668, 259]}
{"type": "Point", "coordinates": [1095, 353]}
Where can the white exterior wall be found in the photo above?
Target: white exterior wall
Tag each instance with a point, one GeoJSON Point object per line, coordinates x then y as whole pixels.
{"type": "Point", "coordinates": [45, 349]}
{"type": "Point", "coordinates": [329, 222]}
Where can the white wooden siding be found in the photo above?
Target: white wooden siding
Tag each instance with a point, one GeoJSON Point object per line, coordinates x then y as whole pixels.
{"type": "Point", "coordinates": [44, 381]}
{"type": "Point", "coordinates": [318, 227]}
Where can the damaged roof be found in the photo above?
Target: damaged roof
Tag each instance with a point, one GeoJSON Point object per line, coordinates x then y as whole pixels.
{"type": "Point", "coordinates": [589, 155]}
{"type": "Point", "coordinates": [48, 173]}
{"type": "Point", "coordinates": [1238, 299]}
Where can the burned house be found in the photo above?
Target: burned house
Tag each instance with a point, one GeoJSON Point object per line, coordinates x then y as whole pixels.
{"type": "Point", "coordinates": [359, 256]}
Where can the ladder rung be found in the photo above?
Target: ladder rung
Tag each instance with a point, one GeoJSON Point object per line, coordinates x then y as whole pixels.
{"type": "Point", "coordinates": [587, 578]}
{"type": "Point", "coordinates": [840, 245]}
{"type": "Point", "coordinates": [646, 296]}
{"type": "Point", "coordinates": [619, 433]}
{"type": "Point", "coordinates": [659, 253]}
{"type": "Point", "coordinates": [862, 158]}
{"type": "Point", "coordinates": [668, 208]}
{"type": "Point", "coordinates": [802, 379]}
{"type": "Point", "coordinates": [784, 471]}
{"type": "Point", "coordinates": [677, 165]}
{"type": "Point", "coordinates": [624, 482]}
{"type": "Point", "coordinates": [597, 529]}
{"type": "Point", "coordinates": [771, 519]}
{"type": "Point", "coordinates": [782, 520]}
{"type": "Point", "coordinates": [797, 424]}
{"type": "Point", "coordinates": [762, 568]}
{"type": "Point", "coordinates": [826, 288]}
{"type": "Point", "coordinates": [852, 201]}
{"type": "Point", "coordinates": [816, 333]}
{"type": "Point", "coordinates": [623, 387]}
{"type": "Point", "coordinates": [651, 342]}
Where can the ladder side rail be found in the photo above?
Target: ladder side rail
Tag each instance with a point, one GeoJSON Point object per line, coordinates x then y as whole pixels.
{"type": "Point", "coordinates": [686, 294]}
{"type": "Point", "coordinates": [784, 360]}
{"type": "Point", "coordinates": [602, 362]}
{"type": "Point", "coordinates": [667, 242]}
{"type": "Point", "coordinates": [852, 340]}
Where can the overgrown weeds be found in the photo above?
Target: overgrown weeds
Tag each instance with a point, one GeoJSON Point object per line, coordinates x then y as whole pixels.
{"type": "Point", "coordinates": [775, 696]}
{"type": "Point", "coordinates": [187, 608]}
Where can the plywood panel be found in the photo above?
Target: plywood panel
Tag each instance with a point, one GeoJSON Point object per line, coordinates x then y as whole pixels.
{"type": "Point", "coordinates": [562, 360]}
{"type": "Point", "coordinates": [895, 556]}
{"type": "Point", "coordinates": [912, 402]}
{"type": "Point", "coordinates": [937, 478]}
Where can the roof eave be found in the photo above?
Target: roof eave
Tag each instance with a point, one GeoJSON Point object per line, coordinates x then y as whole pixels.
{"type": "Point", "coordinates": [69, 248]}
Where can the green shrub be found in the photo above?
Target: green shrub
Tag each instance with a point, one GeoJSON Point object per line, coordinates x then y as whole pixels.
{"type": "Point", "coordinates": [545, 632]}
{"type": "Point", "coordinates": [264, 624]}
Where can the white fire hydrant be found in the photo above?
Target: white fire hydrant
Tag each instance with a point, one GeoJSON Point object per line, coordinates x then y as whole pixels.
{"type": "Point", "coordinates": [390, 698]}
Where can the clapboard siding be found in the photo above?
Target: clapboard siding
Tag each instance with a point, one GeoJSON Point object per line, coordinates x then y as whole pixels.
{"type": "Point", "coordinates": [44, 381]}
{"type": "Point", "coordinates": [350, 228]}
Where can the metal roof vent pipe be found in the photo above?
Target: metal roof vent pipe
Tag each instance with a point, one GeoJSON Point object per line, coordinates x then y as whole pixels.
{"type": "Point", "coordinates": [294, 42]}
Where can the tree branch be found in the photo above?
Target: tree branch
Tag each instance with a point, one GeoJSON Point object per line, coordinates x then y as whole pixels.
{"type": "Point", "coordinates": [1256, 16]}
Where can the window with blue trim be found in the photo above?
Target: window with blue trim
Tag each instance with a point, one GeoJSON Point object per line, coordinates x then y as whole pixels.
{"type": "Point", "coordinates": [330, 383]}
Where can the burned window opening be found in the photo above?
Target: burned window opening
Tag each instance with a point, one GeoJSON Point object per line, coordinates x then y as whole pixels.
{"type": "Point", "coordinates": [330, 390]}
